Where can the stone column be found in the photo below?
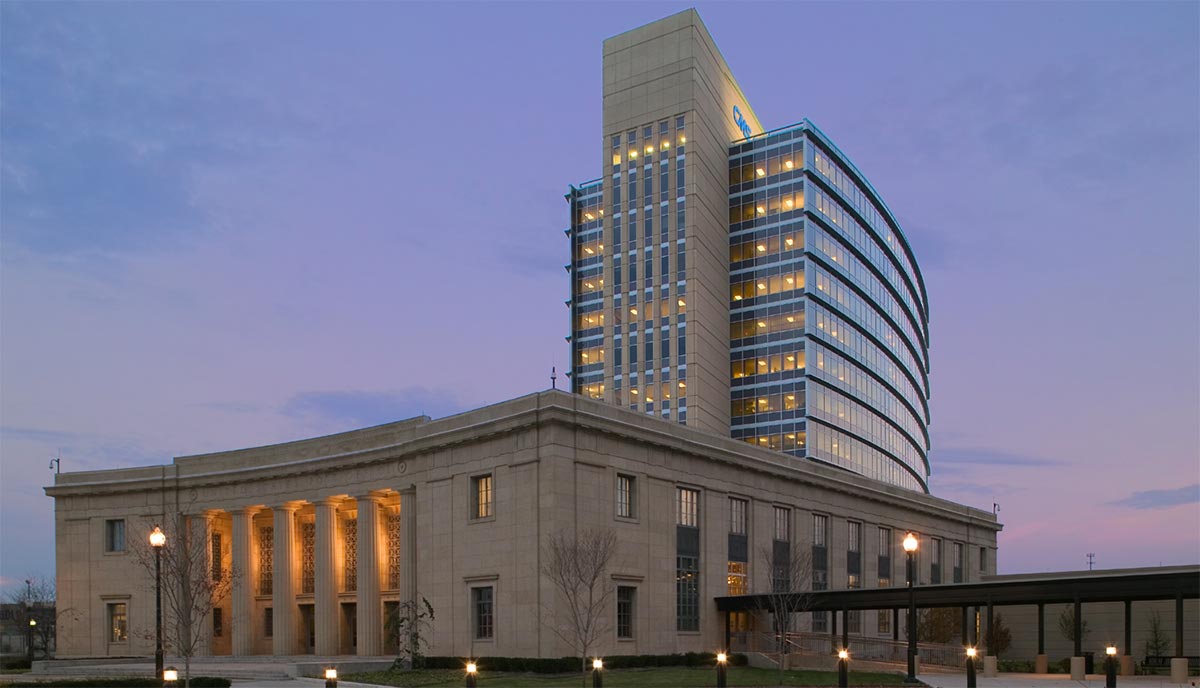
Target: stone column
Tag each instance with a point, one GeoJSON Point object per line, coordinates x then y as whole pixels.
{"type": "Point", "coordinates": [283, 597]}
{"type": "Point", "coordinates": [325, 602]}
{"type": "Point", "coordinates": [244, 581]}
{"type": "Point", "coordinates": [203, 526]}
{"type": "Point", "coordinates": [369, 608]}
{"type": "Point", "coordinates": [408, 545]}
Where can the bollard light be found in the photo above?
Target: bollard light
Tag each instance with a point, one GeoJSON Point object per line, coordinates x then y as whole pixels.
{"type": "Point", "coordinates": [331, 677]}
{"type": "Point", "coordinates": [471, 671]}
{"type": "Point", "coordinates": [33, 622]}
{"type": "Point", "coordinates": [170, 676]}
{"type": "Point", "coordinates": [722, 661]}
{"type": "Point", "coordinates": [843, 668]}
{"type": "Point", "coordinates": [971, 667]}
{"type": "Point", "coordinates": [597, 679]}
{"type": "Point", "coordinates": [1110, 666]}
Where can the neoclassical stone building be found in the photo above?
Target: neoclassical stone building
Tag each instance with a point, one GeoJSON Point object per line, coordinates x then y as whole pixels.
{"type": "Point", "coordinates": [322, 535]}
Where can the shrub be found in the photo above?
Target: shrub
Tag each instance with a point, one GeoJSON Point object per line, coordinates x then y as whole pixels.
{"type": "Point", "coordinates": [14, 664]}
{"type": "Point", "coordinates": [140, 682]}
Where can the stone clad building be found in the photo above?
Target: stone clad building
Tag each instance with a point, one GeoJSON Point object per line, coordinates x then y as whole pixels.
{"type": "Point", "coordinates": [323, 534]}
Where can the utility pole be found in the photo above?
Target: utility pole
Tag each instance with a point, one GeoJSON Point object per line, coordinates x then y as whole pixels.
{"type": "Point", "coordinates": [1091, 557]}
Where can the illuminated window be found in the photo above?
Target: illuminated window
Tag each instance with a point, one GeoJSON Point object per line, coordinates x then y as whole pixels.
{"type": "Point", "coordinates": [483, 613]}
{"type": "Point", "coordinates": [687, 503]}
{"type": "Point", "coordinates": [736, 578]}
{"type": "Point", "coordinates": [626, 495]}
{"type": "Point", "coordinates": [118, 622]}
{"type": "Point", "coordinates": [481, 496]}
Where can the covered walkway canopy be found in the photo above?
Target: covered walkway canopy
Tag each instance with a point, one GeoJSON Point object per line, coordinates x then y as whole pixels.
{"type": "Point", "coordinates": [1077, 587]}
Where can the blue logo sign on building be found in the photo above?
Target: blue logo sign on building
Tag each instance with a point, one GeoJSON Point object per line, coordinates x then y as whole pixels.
{"type": "Point", "coordinates": [741, 122]}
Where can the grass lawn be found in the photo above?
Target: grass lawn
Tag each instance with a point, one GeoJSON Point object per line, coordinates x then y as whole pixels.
{"type": "Point", "coordinates": [658, 677]}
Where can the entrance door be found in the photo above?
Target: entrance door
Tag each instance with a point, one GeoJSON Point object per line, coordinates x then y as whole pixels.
{"type": "Point", "coordinates": [349, 628]}
{"type": "Point", "coordinates": [309, 626]}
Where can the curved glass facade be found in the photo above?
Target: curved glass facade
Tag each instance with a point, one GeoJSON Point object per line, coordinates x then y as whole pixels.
{"type": "Point", "coordinates": [829, 341]}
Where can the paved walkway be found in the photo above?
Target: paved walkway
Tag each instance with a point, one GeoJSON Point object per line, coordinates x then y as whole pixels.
{"type": "Point", "coordinates": [1053, 681]}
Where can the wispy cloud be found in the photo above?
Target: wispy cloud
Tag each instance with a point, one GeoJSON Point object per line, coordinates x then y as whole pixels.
{"type": "Point", "coordinates": [358, 408]}
{"type": "Point", "coordinates": [990, 457]}
{"type": "Point", "coordinates": [1161, 499]}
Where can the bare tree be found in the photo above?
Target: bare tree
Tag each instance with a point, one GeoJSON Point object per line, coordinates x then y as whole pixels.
{"type": "Point", "coordinates": [790, 590]}
{"type": "Point", "coordinates": [577, 564]}
{"type": "Point", "coordinates": [36, 598]}
{"type": "Point", "coordinates": [192, 585]}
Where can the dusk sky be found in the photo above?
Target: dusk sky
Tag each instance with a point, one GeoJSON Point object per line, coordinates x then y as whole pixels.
{"type": "Point", "coordinates": [232, 224]}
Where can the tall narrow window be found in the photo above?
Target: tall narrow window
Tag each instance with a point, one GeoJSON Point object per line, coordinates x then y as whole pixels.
{"type": "Point", "coordinates": [885, 557]}
{"type": "Point", "coordinates": [737, 515]}
{"type": "Point", "coordinates": [626, 608]}
{"type": "Point", "coordinates": [481, 496]}
{"type": "Point", "coordinates": [118, 622]}
{"type": "Point", "coordinates": [983, 559]}
{"type": "Point", "coordinates": [688, 507]}
{"type": "Point", "coordinates": [308, 536]}
{"type": "Point", "coordinates": [350, 555]}
{"type": "Point", "coordinates": [854, 555]}
{"type": "Point", "coordinates": [783, 524]}
{"type": "Point", "coordinates": [935, 561]}
{"type": "Point", "coordinates": [625, 495]}
{"type": "Point", "coordinates": [266, 559]}
{"type": "Point", "coordinates": [687, 594]}
{"type": "Point", "coordinates": [958, 562]}
{"type": "Point", "coordinates": [393, 538]}
{"type": "Point", "coordinates": [820, 527]}
{"type": "Point", "coordinates": [483, 613]}
{"type": "Point", "coordinates": [216, 556]}
{"type": "Point", "coordinates": [737, 578]}
{"type": "Point", "coordinates": [218, 616]}
{"type": "Point", "coordinates": [268, 622]}
{"type": "Point", "coordinates": [114, 535]}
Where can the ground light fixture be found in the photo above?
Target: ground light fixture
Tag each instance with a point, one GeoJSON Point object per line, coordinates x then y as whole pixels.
{"type": "Point", "coordinates": [471, 671]}
{"type": "Point", "coordinates": [157, 540]}
{"type": "Point", "coordinates": [971, 667]}
{"type": "Point", "coordinates": [597, 678]}
{"type": "Point", "coordinates": [910, 549]}
{"type": "Point", "coordinates": [843, 668]}
{"type": "Point", "coordinates": [331, 677]}
{"type": "Point", "coordinates": [722, 662]}
{"type": "Point", "coordinates": [1110, 666]}
{"type": "Point", "coordinates": [170, 676]}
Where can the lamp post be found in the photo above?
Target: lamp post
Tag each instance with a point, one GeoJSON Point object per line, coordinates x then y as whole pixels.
{"type": "Point", "coordinates": [910, 549]}
{"type": "Point", "coordinates": [331, 677]}
{"type": "Point", "coordinates": [722, 660]}
{"type": "Point", "coordinates": [843, 668]}
{"type": "Point", "coordinates": [597, 679]}
{"type": "Point", "coordinates": [471, 669]}
{"type": "Point", "coordinates": [970, 667]}
{"type": "Point", "coordinates": [157, 540]}
{"type": "Point", "coordinates": [29, 615]}
{"type": "Point", "coordinates": [1110, 666]}
{"type": "Point", "coordinates": [32, 623]}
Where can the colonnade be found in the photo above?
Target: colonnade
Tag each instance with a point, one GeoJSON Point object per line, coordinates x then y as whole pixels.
{"type": "Point", "coordinates": [370, 553]}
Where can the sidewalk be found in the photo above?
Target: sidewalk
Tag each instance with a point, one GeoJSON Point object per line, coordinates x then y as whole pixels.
{"type": "Point", "coordinates": [1053, 681]}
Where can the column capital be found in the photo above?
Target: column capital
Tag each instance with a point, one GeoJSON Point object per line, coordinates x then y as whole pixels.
{"type": "Point", "coordinates": [247, 511]}
{"type": "Point", "coordinates": [288, 506]}
{"type": "Point", "coordinates": [372, 496]}
{"type": "Point", "coordinates": [409, 491]}
{"type": "Point", "coordinates": [329, 501]}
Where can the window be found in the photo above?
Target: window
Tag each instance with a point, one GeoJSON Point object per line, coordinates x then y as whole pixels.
{"type": "Point", "coordinates": [885, 557]}
{"type": "Point", "coordinates": [687, 593]}
{"type": "Point", "coordinates": [216, 557]}
{"type": "Point", "coordinates": [308, 538]}
{"type": "Point", "coordinates": [854, 541]}
{"type": "Point", "coordinates": [218, 622]}
{"type": "Point", "coordinates": [737, 578]}
{"type": "Point", "coordinates": [266, 559]}
{"type": "Point", "coordinates": [820, 526]}
{"type": "Point", "coordinates": [688, 503]}
{"type": "Point", "coordinates": [114, 535]}
{"type": "Point", "coordinates": [885, 542]}
{"type": "Point", "coordinates": [983, 559]}
{"type": "Point", "coordinates": [118, 615]}
{"type": "Point", "coordinates": [626, 495]}
{"type": "Point", "coordinates": [481, 497]}
{"type": "Point", "coordinates": [483, 613]}
{"type": "Point", "coordinates": [783, 524]}
{"type": "Point", "coordinates": [958, 562]}
{"type": "Point", "coordinates": [854, 557]}
{"type": "Point", "coordinates": [626, 603]}
{"type": "Point", "coordinates": [854, 621]}
{"type": "Point", "coordinates": [268, 622]}
{"type": "Point", "coordinates": [885, 621]}
{"type": "Point", "coordinates": [737, 515]}
{"type": "Point", "coordinates": [350, 555]}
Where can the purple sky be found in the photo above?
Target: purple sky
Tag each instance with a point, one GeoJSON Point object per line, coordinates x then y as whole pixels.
{"type": "Point", "coordinates": [231, 224]}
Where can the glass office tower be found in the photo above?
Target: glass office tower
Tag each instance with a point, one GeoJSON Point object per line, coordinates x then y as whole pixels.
{"type": "Point", "coordinates": [750, 284]}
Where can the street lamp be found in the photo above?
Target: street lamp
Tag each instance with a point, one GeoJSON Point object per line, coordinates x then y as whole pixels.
{"type": "Point", "coordinates": [471, 669]}
{"type": "Point", "coordinates": [331, 678]}
{"type": "Point", "coordinates": [970, 667]}
{"type": "Point", "coordinates": [597, 679]}
{"type": "Point", "coordinates": [1110, 666]}
{"type": "Point", "coordinates": [722, 660]}
{"type": "Point", "coordinates": [157, 540]}
{"type": "Point", "coordinates": [910, 549]}
{"type": "Point", "coordinates": [32, 623]}
{"type": "Point", "coordinates": [843, 668]}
